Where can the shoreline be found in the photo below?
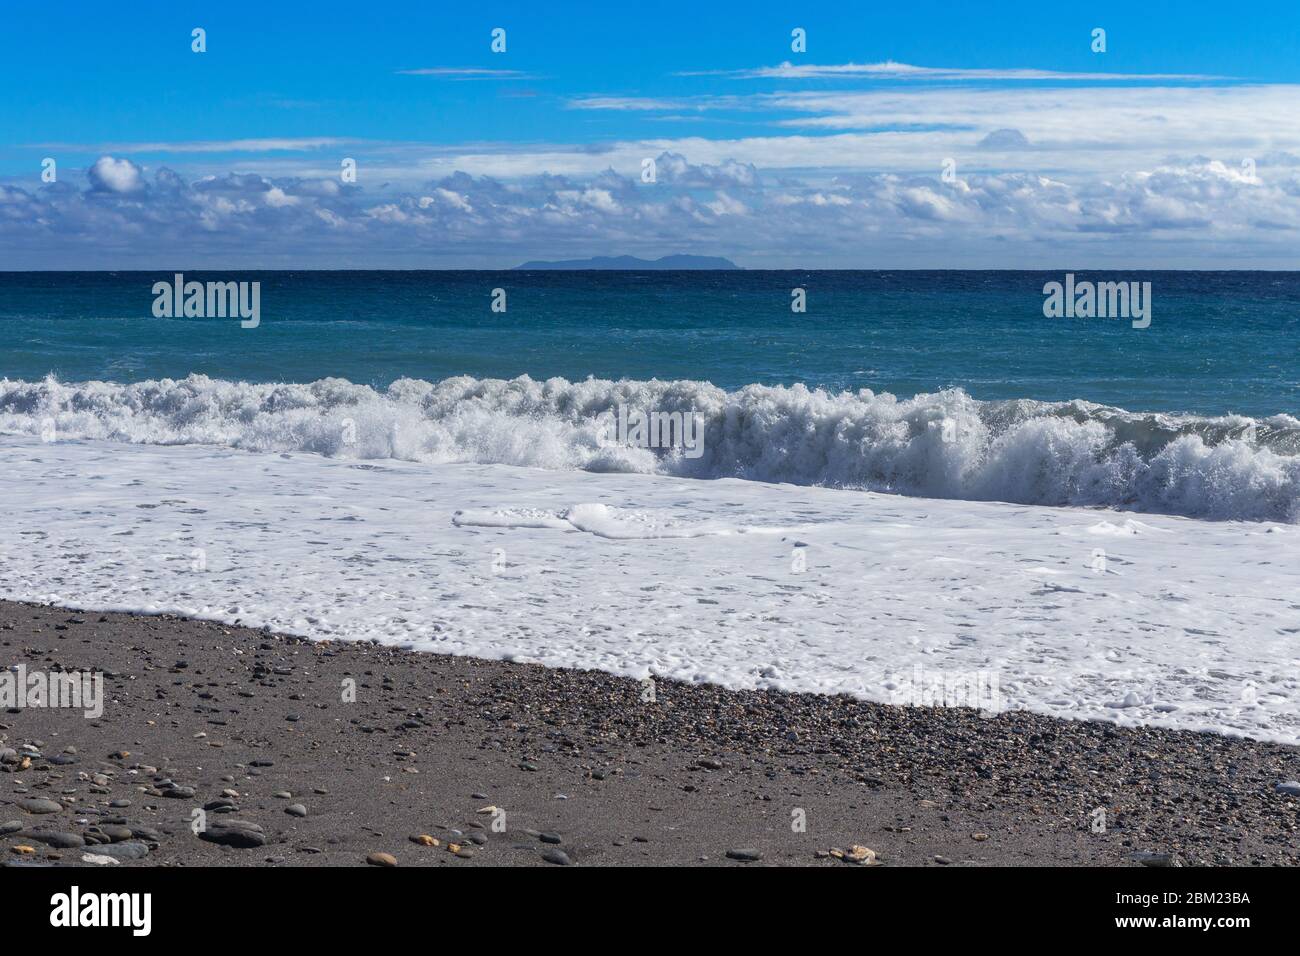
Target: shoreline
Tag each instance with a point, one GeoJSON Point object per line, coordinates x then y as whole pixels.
{"type": "Point", "coordinates": [586, 770]}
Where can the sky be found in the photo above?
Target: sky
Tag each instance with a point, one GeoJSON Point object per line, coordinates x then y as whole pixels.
{"type": "Point", "coordinates": [935, 135]}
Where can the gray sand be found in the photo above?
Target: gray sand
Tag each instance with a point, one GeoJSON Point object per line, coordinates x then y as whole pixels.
{"type": "Point", "coordinates": [585, 769]}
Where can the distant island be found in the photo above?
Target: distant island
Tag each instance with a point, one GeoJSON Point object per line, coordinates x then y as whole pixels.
{"type": "Point", "coordinates": [633, 264]}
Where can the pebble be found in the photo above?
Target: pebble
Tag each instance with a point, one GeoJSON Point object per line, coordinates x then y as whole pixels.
{"type": "Point", "coordinates": [556, 856]}
{"type": "Point", "coordinates": [236, 833]}
{"type": "Point", "coordinates": [861, 855]}
{"type": "Point", "coordinates": [39, 805]}
{"type": "Point", "coordinates": [58, 838]}
{"type": "Point", "coordinates": [425, 840]}
{"type": "Point", "coordinates": [132, 850]}
{"type": "Point", "coordinates": [141, 832]}
{"type": "Point", "coordinates": [1290, 788]}
{"type": "Point", "coordinates": [550, 838]}
{"type": "Point", "coordinates": [381, 859]}
{"type": "Point", "coordinates": [744, 854]}
{"type": "Point", "coordinates": [296, 810]}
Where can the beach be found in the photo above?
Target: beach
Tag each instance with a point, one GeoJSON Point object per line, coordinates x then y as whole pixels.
{"type": "Point", "coordinates": [585, 770]}
{"type": "Point", "coordinates": [658, 619]}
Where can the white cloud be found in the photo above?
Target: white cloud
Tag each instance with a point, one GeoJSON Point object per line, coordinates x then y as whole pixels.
{"type": "Point", "coordinates": [115, 175]}
{"type": "Point", "coordinates": [209, 146]}
{"type": "Point", "coordinates": [1158, 175]}
{"type": "Point", "coordinates": [890, 70]}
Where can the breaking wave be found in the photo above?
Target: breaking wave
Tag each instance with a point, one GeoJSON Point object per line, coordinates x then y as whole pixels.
{"type": "Point", "coordinates": [944, 444]}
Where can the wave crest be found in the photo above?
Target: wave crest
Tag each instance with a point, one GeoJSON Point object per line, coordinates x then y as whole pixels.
{"type": "Point", "coordinates": [944, 444]}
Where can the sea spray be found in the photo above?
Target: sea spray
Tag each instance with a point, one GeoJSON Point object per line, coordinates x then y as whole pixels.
{"type": "Point", "coordinates": [942, 444]}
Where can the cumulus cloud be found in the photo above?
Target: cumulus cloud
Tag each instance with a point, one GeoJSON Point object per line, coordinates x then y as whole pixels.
{"type": "Point", "coordinates": [115, 175]}
{"type": "Point", "coordinates": [127, 216]}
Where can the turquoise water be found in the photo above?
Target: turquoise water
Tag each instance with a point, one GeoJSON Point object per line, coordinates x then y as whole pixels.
{"type": "Point", "coordinates": [1218, 342]}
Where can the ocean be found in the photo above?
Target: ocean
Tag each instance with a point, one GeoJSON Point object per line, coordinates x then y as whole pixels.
{"type": "Point", "coordinates": [921, 481]}
{"type": "Point", "coordinates": [940, 384]}
{"type": "Point", "coordinates": [1219, 342]}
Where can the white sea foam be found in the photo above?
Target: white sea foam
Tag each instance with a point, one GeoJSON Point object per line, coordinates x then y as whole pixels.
{"type": "Point", "coordinates": [1184, 623]}
{"type": "Point", "coordinates": [941, 445]}
{"type": "Point", "coordinates": [604, 521]}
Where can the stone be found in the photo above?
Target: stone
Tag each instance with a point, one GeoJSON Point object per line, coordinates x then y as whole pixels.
{"type": "Point", "coordinates": [58, 838]}
{"type": "Point", "coordinates": [132, 850]}
{"type": "Point", "coordinates": [863, 856]}
{"type": "Point", "coordinates": [381, 859]}
{"type": "Point", "coordinates": [39, 805]}
{"type": "Point", "coordinates": [236, 833]}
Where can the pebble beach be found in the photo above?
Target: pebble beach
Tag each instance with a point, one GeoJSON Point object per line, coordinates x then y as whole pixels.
{"type": "Point", "coordinates": [291, 752]}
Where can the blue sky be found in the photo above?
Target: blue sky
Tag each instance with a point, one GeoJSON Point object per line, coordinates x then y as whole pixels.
{"type": "Point", "coordinates": [1179, 146]}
